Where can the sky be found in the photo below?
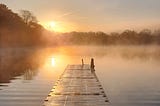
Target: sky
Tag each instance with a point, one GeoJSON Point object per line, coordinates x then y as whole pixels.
{"type": "Point", "coordinates": [92, 15]}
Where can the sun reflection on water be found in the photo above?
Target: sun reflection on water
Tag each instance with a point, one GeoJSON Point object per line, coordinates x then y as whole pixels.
{"type": "Point", "coordinates": [53, 62]}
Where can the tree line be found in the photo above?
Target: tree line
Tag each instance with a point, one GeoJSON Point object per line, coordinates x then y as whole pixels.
{"type": "Point", "coordinates": [127, 37]}
{"type": "Point", "coordinates": [23, 30]}
{"type": "Point", "coordinates": [19, 29]}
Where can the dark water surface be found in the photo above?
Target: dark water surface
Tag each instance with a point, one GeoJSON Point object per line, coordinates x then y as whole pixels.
{"type": "Point", "coordinates": [129, 74]}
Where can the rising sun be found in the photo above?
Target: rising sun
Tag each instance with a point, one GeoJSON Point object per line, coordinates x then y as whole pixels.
{"type": "Point", "coordinates": [52, 24]}
{"type": "Point", "coordinates": [56, 26]}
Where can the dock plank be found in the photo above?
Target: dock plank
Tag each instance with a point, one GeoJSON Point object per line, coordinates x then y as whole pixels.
{"type": "Point", "coordinates": [77, 86]}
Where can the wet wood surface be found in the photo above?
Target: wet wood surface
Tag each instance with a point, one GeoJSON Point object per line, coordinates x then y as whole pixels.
{"type": "Point", "coordinates": [77, 86]}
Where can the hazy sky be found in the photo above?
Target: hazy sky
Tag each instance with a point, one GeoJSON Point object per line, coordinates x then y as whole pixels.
{"type": "Point", "coordinates": [92, 15]}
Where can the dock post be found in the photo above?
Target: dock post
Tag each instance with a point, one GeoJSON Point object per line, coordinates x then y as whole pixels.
{"type": "Point", "coordinates": [82, 62]}
{"type": "Point", "coordinates": [92, 65]}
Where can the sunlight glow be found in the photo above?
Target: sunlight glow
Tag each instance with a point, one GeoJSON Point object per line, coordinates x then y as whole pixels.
{"type": "Point", "coordinates": [58, 26]}
{"type": "Point", "coordinates": [53, 63]}
{"type": "Point", "coordinates": [54, 26]}
{"type": "Point", "coordinates": [54, 60]}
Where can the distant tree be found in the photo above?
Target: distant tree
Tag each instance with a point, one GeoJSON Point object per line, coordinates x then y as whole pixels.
{"type": "Point", "coordinates": [146, 32]}
{"type": "Point", "coordinates": [28, 17]}
{"type": "Point", "coordinates": [145, 36]}
{"type": "Point", "coordinates": [156, 32]}
{"type": "Point", "coordinates": [156, 35]}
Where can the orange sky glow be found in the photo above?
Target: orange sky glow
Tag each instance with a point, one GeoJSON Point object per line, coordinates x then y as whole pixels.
{"type": "Point", "coordinates": [92, 15]}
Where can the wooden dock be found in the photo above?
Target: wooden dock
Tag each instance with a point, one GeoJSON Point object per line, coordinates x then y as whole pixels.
{"type": "Point", "coordinates": [77, 86]}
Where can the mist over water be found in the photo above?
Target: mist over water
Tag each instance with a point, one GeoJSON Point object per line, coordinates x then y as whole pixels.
{"type": "Point", "coordinates": [129, 74]}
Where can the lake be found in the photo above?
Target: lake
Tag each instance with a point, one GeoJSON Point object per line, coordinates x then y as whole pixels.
{"type": "Point", "coordinates": [130, 75]}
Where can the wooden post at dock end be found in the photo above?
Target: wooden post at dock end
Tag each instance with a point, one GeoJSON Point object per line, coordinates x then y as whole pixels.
{"type": "Point", "coordinates": [82, 62]}
{"type": "Point", "coordinates": [92, 65]}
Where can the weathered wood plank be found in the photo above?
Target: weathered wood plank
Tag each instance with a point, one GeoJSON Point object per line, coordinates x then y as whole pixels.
{"type": "Point", "coordinates": [77, 86]}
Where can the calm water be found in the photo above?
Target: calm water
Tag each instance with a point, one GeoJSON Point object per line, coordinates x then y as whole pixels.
{"type": "Point", "coordinates": [129, 74]}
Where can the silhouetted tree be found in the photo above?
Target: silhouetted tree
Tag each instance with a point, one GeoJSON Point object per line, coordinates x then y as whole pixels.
{"type": "Point", "coordinates": [15, 31]}
{"type": "Point", "coordinates": [145, 36]}
{"type": "Point", "coordinates": [28, 17]}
